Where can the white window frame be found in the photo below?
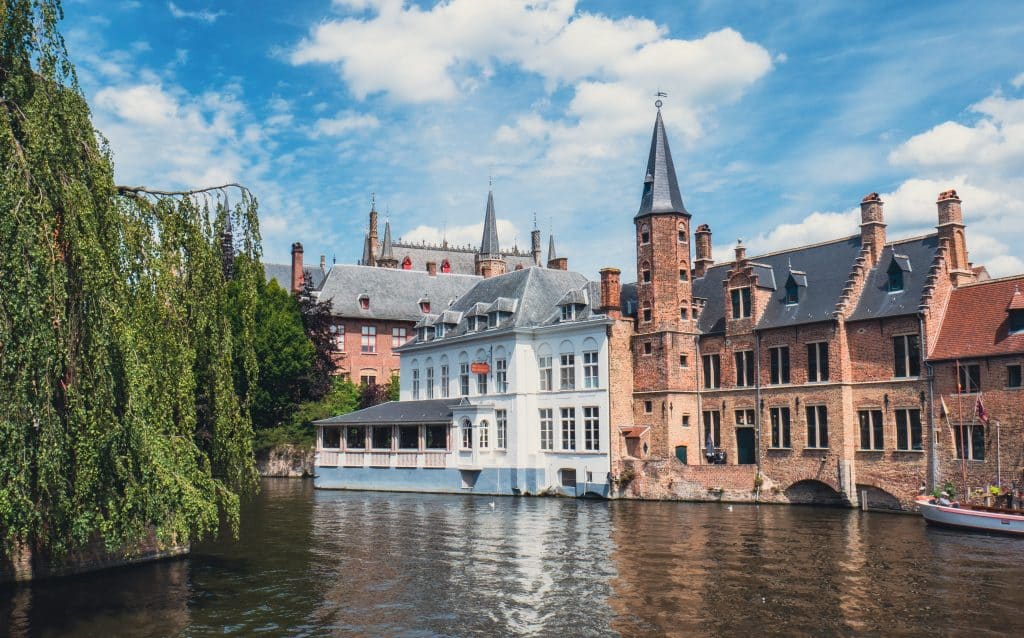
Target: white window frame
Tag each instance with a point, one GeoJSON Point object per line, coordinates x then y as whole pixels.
{"type": "Point", "coordinates": [568, 429]}
{"type": "Point", "coordinates": [464, 379]}
{"type": "Point", "coordinates": [445, 390]}
{"type": "Point", "coordinates": [368, 339]}
{"type": "Point", "coordinates": [430, 382]}
{"type": "Point", "coordinates": [905, 413]}
{"type": "Point", "coordinates": [501, 375]}
{"type": "Point", "coordinates": [501, 429]}
{"type": "Point", "coordinates": [591, 428]}
{"type": "Point", "coordinates": [398, 337]}
{"type": "Point", "coordinates": [591, 369]}
{"type": "Point", "coordinates": [467, 434]}
{"type": "Point", "coordinates": [818, 374]}
{"type": "Point", "coordinates": [544, 364]}
{"type": "Point", "coordinates": [547, 429]}
{"type": "Point", "coordinates": [567, 371]}
{"type": "Point", "coordinates": [415, 384]}
{"type": "Point", "coordinates": [483, 435]}
{"type": "Point", "coordinates": [815, 425]}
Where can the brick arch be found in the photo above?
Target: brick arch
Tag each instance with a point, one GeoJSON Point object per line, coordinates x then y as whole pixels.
{"type": "Point", "coordinates": [878, 498]}
{"type": "Point", "coordinates": [814, 492]}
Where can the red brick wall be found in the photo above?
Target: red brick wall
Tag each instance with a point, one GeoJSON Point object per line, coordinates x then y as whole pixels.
{"type": "Point", "coordinates": [384, 362]}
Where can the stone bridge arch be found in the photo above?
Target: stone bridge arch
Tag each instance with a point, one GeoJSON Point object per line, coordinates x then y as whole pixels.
{"type": "Point", "coordinates": [814, 492]}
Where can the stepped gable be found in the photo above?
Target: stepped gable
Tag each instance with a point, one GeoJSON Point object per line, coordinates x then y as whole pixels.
{"type": "Point", "coordinates": [822, 267]}
{"type": "Point", "coordinates": [915, 257]}
{"type": "Point", "coordinates": [977, 324]}
{"type": "Point", "coordinates": [394, 294]}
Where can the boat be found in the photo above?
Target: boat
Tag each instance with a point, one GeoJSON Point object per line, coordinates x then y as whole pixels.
{"type": "Point", "coordinates": [973, 517]}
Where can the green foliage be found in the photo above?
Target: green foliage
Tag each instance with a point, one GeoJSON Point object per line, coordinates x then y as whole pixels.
{"type": "Point", "coordinates": [342, 398]}
{"type": "Point", "coordinates": [284, 356]}
{"type": "Point", "coordinates": [318, 322]}
{"type": "Point", "coordinates": [393, 388]}
{"type": "Point", "coordinates": [948, 488]}
{"type": "Point", "coordinates": [120, 410]}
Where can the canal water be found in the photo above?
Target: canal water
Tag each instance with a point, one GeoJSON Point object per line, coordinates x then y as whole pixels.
{"type": "Point", "coordinates": [373, 564]}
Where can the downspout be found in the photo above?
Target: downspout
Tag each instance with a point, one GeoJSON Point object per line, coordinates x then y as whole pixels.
{"type": "Point", "coordinates": [699, 417]}
{"type": "Point", "coordinates": [757, 396]}
{"type": "Point", "coordinates": [933, 454]}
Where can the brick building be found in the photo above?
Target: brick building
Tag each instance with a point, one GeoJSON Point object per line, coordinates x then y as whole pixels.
{"type": "Point", "coordinates": [800, 373]}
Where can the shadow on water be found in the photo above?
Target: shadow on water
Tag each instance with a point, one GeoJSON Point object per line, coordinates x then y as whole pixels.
{"type": "Point", "coordinates": [372, 564]}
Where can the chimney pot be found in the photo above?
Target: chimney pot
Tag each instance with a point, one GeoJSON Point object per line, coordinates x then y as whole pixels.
{"type": "Point", "coordinates": [297, 272]}
{"type": "Point", "coordinates": [432, 268]}
{"type": "Point", "coordinates": [611, 290]}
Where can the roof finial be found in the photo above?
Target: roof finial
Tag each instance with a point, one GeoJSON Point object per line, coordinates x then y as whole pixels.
{"type": "Point", "coordinates": [658, 103]}
{"type": "Point", "coordinates": [535, 220]}
{"type": "Point", "coordinates": [490, 181]}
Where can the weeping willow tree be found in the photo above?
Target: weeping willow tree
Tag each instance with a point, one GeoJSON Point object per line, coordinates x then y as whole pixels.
{"type": "Point", "coordinates": [121, 320]}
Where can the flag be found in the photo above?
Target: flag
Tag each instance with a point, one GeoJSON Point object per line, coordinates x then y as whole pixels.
{"type": "Point", "coordinates": [944, 411]}
{"type": "Point", "coordinates": [980, 411]}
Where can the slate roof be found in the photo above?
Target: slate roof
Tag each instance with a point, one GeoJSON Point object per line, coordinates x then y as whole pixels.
{"type": "Point", "coordinates": [283, 274]}
{"type": "Point", "coordinates": [461, 259]}
{"type": "Point", "coordinates": [489, 240]}
{"type": "Point", "coordinates": [661, 186]}
{"type": "Point", "coordinates": [427, 411]}
{"type": "Point", "coordinates": [387, 250]}
{"type": "Point", "coordinates": [394, 293]}
{"type": "Point", "coordinates": [914, 256]}
{"type": "Point", "coordinates": [976, 323]}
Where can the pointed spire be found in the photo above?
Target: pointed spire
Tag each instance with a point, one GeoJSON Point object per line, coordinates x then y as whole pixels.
{"type": "Point", "coordinates": [386, 252]}
{"type": "Point", "coordinates": [365, 261]}
{"type": "Point", "coordinates": [661, 187]}
{"type": "Point", "coordinates": [489, 242]}
{"type": "Point", "coordinates": [551, 248]}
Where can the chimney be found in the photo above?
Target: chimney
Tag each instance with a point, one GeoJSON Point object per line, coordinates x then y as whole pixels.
{"type": "Point", "coordinates": [323, 263]}
{"type": "Point", "coordinates": [297, 272]}
{"type": "Point", "coordinates": [741, 252]}
{"type": "Point", "coordinates": [951, 233]}
{"type": "Point", "coordinates": [374, 246]}
{"type": "Point", "coordinates": [432, 268]}
{"type": "Point", "coordinates": [610, 292]}
{"type": "Point", "coordinates": [559, 263]}
{"type": "Point", "coordinates": [703, 260]}
{"type": "Point", "coordinates": [535, 246]}
{"type": "Point", "coordinates": [872, 225]}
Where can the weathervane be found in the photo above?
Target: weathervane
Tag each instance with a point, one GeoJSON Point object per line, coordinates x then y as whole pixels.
{"type": "Point", "coordinates": [659, 94]}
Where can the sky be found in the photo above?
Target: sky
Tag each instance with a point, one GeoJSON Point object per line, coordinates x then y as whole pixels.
{"type": "Point", "coordinates": [781, 116]}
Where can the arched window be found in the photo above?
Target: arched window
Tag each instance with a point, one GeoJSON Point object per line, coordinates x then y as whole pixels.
{"type": "Point", "coordinates": [645, 272]}
{"type": "Point", "coordinates": [483, 435]}
{"type": "Point", "coordinates": [445, 266]}
{"type": "Point", "coordinates": [645, 234]}
{"type": "Point", "coordinates": [682, 233]}
{"type": "Point", "coordinates": [646, 312]}
{"type": "Point", "coordinates": [467, 435]}
{"type": "Point", "coordinates": [684, 271]}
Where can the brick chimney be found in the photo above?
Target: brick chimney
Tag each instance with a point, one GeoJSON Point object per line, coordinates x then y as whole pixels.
{"type": "Point", "coordinates": [951, 233]}
{"type": "Point", "coordinates": [741, 253]}
{"type": "Point", "coordinates": [872, 225]}
{"type": "Point", "coordinates": [611, 290]}
{"type": "Point", "coordinates": [535, 246]}
{"type": "Point", "coordinates": [559, 263]}
{"type": "Point", "coordinates": [297, 273]}
{"type": "Point", "coordinates": [432, 268]}
{"type": "Point", "coordinates": [703, 259]}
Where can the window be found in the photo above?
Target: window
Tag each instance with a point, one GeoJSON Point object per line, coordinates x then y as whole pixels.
{"type": "Point", "coordinates": [908, 430]}
{"type": "Point", "coordinates": [682, 234]}
{"type": "Point", "coordinates": [545, 373]}
{"type": "Point", "coordinates": [467, 435]}
{"type": "Point", "coordinates": [683, 361]}
{"type": "Point", "coordinates": [895, 277]}
{"type": "Point", "coordinates": [568, 312]}
{"type": "Point", "coordinates": [712, 427]}
{"type": "Point", "coordinates": [380, 437]}
{"type": "Point", "coordinates": [439, 330]}
{"type": "Point", "coordinates": [907, 355]}
{"type": "Point", "coordinates": [331, 438]}
{"type": "Point", "coordinates": [567, 371]}
{"type": "Point", "coordinates": [481, 383]}
{"type": "Point", "coordinates": [817, 362]}
{"type": "Point", "coordinates": [683, 314]}
{"type": "Point", "coordinates": [591, 428]}
{"type": "Point", "coordinates": [975, 442]}
{"type": "Point", "coordinates": [970, 378]}
{"type": "Point", "coordinates": [501, 429]}
{"type": "Point", "coordinates": [870, 429]}
{"type": "Point", "coordinates": [436, 437]}
{"type": "Point", "coordinates": [779, 357]}
{"type": "Point", "coordinates": [415, 384]}
{"type": "Point", "coordinates": [492, 319]}
{"type": "Point", "coordinates": [483, 436]}
{"type": "Point", "coordinates": [355, 438]}
{"type": "Point", "coordinates": [590, 369]}
{"type": "Point", "coordinates": [364, 302]}
{"type": "Point", "coordinates": [446, 267]}
{"type": "Point", "coordinates": [686, 420]}
{"type": "Point", "coordinates": [430, 382]}
{"type": "Point", "coordinates": [367, 379]}
{"type": "Point", "coordinates": [368, 339]}
{"type": "Point", "coordinates": [645, 273]}
{"type": "Point", "coordinates": [568, 428]}
{"type": "Point", "coordinates": [1013, 376]}
{"type": "Point", "coordinates": [424, 306]}
{"type": "Point", "coordinates": [648, 407]}
{"type": "Point", "coordinates": [398, 337]}
{"type": "Point", "coordinates": [1016, 320]}
{"type": "Point", "coordinates": [745, 417]}
{"type": "Point", "coordinates": [464, 379]}
{"type": "Point", "coordinates": [444, 381]}
{"type": "Point", "coordinates": [792, 292]}
{"type": "Point", "coordinates": [817, 426]}
{"type": "Point", "coordinates": [712, 371]}
{"type": "Point", "coordinates": [647, 313]}
{"type": "Point", "coordinates": [406, 264]}
{"type": "Point", "coordinates": [338, 337]}
{"type": "Point", "coordinates": [741, 303]}
{"type": "Point", "coordinates": [744, 368]}
{"type": "Point", "coordinates": [645, 234]}
{"type": "Point", "coordinates": [648, 347]}
{"type": "Point", "coordinates": [547, 429]}
{"type": "Point", "coordinates": [682, 275]}
{"type": "Point", "coordinates": [408, 437]}
{"type": "Point", "coordinates": [567, 476]}
{"type": "Point", "coordinates": [780, 427]}
{"type": "Point", "coordinates": [501, 375]}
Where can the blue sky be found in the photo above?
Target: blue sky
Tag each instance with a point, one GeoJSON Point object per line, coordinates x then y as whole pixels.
{"type": "Point", "coordinates": [781, 116]}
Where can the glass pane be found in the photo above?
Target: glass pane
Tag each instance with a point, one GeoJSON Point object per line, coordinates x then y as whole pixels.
{"type": "Point", "coordinates": [978, 443]}
{"type": "Point", "coordinates": [355, 438]}
{"type": "Point", "coordinates": [332, 437]}
{"type": "Point", "coordinates": [876, 418]}
{"type": "Point", "coordinates": [915, 430]}
{"type": "Point", "coordinates": [382, 437]}
{"type": "Point", "coordinates": [900, 352]}
{"type": "Point", "coordinates": [901, 430]}
{"type": "Point", "coordinates": [437, 437]}
{"type": "Point", "coordinates": [409, 437]}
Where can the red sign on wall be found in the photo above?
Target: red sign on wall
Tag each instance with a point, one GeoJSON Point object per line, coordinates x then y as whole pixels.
{"type": "Point", "coordinates": [479, 367]}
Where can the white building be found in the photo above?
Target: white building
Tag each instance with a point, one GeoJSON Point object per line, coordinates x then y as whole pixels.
{"type": "Point", "coordinates": [504, 392]}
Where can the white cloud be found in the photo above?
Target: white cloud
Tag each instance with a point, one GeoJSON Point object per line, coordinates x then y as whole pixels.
{"type": "Point", "coordinates": [203, 15]}
{"type": "Point", "coordinates": [345, 123]}
{"type": "Point", "coordinates": [1018, 81]}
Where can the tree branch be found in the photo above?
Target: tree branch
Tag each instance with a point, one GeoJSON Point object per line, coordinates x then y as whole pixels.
{"type": "Point", "coordinates": [134, 191]}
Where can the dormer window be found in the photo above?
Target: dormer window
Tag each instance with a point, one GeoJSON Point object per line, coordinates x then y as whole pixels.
{"type": "Point", "coordinates": [1016, 320]}
{"type": "Point", "coordinates": [792, 292]}
{"type": "Point", "coordinates": [900, 264]}
{"type": "Point", "coordinates": [439, 330]}
{"type": "Point", "coordinates": [492, 320]}
{"type": "Point", "coordinates": [406, 264]}
{"type": "Point", "coordinates": [446, 267]}
{"type": "Point", "coordinates": [425, 306]}
{"type": "Point", "coordinates": [569, 312]}
{"type": "Point", "coordinates": [364, 302]}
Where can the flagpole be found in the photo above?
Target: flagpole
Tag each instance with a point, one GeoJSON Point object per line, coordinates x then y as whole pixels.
{"type": "Point", "coordinates": [999, 469]}
{"type": "Point", "coordinates": [963, 433]}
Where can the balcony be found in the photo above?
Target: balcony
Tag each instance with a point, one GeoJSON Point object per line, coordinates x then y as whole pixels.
{"type": "Point", "coordinates": [383, 459]}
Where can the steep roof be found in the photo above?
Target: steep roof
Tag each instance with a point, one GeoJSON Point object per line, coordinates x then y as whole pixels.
{"type": "Point", "coordinates": [914, 257]}
{"type": "Point", "coordinates": [283, 274]}
{"type": "Point", "coordinates": [489, 241]}
{"type": "Point", "coordinates": [976, 323]}
{"type": "Point", "coordinates": [386, 251]}
{"type": "Point", "coordinates": [661, 187]}
{"type": "Point", "coordinates": [461, 259]}
{"type": "Point", "coordinates": [394, 293]}
{"type": "Point", "coordinates": [552, 255]}
{"type": "Point", "coordinates": [427, 411]}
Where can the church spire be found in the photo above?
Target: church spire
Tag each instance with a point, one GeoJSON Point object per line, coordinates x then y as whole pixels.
{"type": "Point", "coordinates": [489, 242]}
{"type": "Point", "coordinates": [552, 255]}
{"type": "Point", "coordinates": [661, 187]}
{"type": "Point", "coordinates": [387, 252]}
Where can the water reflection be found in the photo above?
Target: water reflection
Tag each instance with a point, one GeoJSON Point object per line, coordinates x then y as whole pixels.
{"type": "Point", "coordinates": [364, 564]}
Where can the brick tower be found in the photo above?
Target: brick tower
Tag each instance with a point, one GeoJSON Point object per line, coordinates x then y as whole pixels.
{"type": "Point", "coordinates": [664, 341]}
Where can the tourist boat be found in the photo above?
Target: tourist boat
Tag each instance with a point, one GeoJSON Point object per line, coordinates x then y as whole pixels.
{"type": "Point", "coordinates": [974, 517]}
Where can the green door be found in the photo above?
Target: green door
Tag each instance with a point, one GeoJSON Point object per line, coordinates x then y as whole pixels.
{"type": "Point", "coordinates": [746, 452]}
{"type": "Point", "coordinates": [681, 453]}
